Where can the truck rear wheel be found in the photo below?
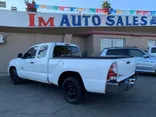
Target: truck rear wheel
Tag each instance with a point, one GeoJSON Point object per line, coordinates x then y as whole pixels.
{"type": "Point", "coordinates": [73, 90]}
{"type": "Point", "coordinates": [15, 79]}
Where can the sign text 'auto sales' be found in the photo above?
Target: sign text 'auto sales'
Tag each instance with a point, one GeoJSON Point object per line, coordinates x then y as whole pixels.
{"type": "Point", "coordinates": [68, 20]}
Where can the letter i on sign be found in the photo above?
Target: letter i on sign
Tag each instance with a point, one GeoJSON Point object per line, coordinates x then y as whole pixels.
{"type": "Point", "coordinates": [31, 19]}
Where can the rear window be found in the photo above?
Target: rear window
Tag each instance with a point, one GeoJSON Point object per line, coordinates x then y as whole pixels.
{"type": "Point", "coordinates": [66, 51]}
{"type": "Point", "coordinates": [153, 50]}
{"type": "Point", "coordinates": [117, 52]}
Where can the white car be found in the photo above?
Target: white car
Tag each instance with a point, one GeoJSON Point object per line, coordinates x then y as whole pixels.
{"type": "Point", "coordinates": [144, 62]}
{"type": "Point", "coordinates": [61, 64]}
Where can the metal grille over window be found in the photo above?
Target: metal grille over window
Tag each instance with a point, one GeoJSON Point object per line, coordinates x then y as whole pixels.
{"type": "Point", "coordinates": [106, 43]}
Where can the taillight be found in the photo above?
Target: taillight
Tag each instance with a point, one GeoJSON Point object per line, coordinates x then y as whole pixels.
{"type": "Point", "coordinates": [113, 71]}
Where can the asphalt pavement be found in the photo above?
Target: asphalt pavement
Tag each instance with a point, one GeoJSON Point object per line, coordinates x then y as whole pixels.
{"type": "Point", "coordinates": [34, 99]}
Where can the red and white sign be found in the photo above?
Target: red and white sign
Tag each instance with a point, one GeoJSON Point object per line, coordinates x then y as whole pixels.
{"type": "Point", "coordinates": [27, 19]}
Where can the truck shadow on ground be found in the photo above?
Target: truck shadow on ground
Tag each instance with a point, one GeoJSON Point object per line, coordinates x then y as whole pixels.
{"type": "Point", "coordinates": [134, 95]}
{"type": "Point", "coordinates": [147, 75]}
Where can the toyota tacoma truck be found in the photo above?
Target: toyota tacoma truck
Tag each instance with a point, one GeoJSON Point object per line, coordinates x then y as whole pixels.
{"type": "Point", "coordinates": [61, 64]}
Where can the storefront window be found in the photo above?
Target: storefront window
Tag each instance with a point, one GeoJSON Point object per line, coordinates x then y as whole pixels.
{"type": "Point", "coordinates": [105, 43]}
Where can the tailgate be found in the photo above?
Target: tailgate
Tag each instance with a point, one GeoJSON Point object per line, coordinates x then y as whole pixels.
{"type": "Point", "coordinates": [126, 68]}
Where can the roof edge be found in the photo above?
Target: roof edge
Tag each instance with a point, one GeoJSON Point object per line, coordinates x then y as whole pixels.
{"type": "Point", "coordinates": [115, 33]}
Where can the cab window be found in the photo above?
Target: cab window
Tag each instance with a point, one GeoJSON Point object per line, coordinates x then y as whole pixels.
{"type": "Point", "coordinates": [43, 51]}
{"type": "Point", "coordinates": [136, 53]}
{"type": "Point", "coordinates": [66, 51]}
{"type": "Point", "coordinates": [30, 54]}
{"type": "Point", "coordinates": [123, 52]}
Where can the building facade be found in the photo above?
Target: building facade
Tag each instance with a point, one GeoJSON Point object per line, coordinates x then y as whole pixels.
{"type": "Point", "coordinates": [92, 33]}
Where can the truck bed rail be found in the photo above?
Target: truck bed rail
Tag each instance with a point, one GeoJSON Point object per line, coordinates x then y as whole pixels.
{"type": "Point", "coordinates": [95, 57]}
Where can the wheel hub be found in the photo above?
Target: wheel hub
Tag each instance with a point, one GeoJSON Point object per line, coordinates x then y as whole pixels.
{"type": "Point", "coordinates": [71, 91]}
{"type": "Point", "coordinates": [13, 74]}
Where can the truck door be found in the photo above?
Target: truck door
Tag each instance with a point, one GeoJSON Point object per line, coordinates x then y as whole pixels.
{"type": "Point", "coordinates": [27, 63]}
{"type": "Point", "coordinates": [41, 64]}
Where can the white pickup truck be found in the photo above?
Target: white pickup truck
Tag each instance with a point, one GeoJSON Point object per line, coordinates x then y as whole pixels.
{"type": "Point", "coordinates": [62, 65]}
{"type": "Point", "coordinates": [152, 51]}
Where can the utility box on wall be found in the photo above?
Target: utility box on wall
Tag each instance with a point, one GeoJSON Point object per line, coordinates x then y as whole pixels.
{"type": "Point", "coordinates": [1, 39]}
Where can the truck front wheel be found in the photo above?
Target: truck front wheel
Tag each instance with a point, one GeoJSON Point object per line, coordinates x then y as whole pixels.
{"type": "Point", "coordinates": [73, 90]}
{"type": "Point", "coordinates": [15, 79]}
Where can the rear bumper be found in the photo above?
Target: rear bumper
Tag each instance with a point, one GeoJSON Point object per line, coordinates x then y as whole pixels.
{"type": "Point", "coordinates": [118, 87]}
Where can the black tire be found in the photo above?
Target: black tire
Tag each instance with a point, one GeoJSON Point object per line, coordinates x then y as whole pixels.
{"type": "Point", "coordinates": [15, 79]}
{"type": "Point", "coordinates": [73, 90]}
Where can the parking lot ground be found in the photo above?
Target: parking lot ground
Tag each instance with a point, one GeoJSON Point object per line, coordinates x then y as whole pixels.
{"type": "Point", "coordinates": [34, 99]}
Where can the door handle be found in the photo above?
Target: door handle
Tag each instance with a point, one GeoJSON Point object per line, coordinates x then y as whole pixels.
{"type": "Point", "coordinates": [31, 62]}
{"type": "Point", "coordinates": [60, 64]}
{"type": "Point", "coordinates": [128, 62]}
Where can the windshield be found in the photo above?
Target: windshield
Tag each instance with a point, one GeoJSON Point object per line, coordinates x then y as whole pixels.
{"type": "Point", "coordinates": [153, 50]}
{"type": "Point", "coordinates": [147, 53]}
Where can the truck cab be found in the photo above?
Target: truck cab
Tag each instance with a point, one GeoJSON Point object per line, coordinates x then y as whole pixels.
{"type": "Point", "coordinates": [152, 51]}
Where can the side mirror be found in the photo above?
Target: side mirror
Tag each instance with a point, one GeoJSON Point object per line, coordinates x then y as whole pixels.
{"type": "Point", "coordinates": [20, 55]}
{"type": "Point", "coordinates": [145, 56]}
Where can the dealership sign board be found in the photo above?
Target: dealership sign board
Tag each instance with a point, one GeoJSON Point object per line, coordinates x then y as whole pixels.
{"type": "Point", "coordinates": [24, 19]}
